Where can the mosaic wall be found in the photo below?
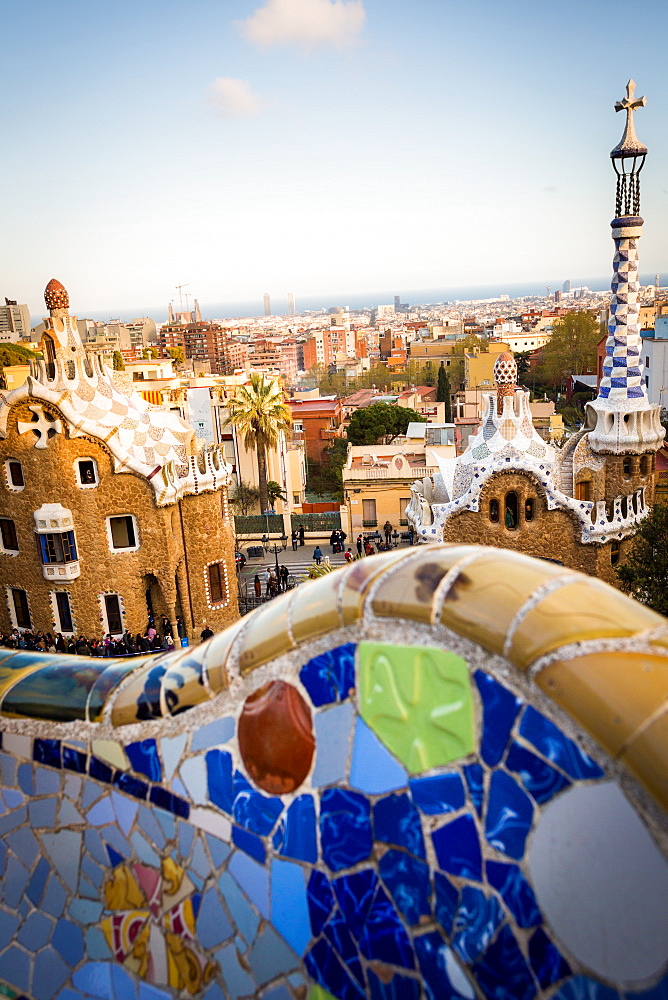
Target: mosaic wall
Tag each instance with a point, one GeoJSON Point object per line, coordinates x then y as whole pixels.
{"type": "Point", "coordinates": [436, 773]}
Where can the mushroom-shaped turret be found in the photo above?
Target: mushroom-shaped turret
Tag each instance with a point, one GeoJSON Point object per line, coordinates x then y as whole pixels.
{"type": "Point", "coordinates": [55, 296]}
{"type": "Point", "coordinates": [505, 376]}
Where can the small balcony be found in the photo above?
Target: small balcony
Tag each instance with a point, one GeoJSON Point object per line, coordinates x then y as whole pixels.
{"type": "Point", "coordinates": [370, 524]}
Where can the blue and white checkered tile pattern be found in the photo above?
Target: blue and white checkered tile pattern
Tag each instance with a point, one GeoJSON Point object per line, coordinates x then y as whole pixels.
{"type": "Point", "coordinates": [623, 368]}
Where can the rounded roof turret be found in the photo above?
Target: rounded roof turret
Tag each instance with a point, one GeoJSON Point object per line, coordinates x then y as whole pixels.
{"type": "Point", "coordinates": [505, 369]}
{"type": "Point", "coordinates": [55, 295]}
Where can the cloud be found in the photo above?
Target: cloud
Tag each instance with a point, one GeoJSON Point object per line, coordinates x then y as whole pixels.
{"type": "Point", "coordinates": [234, 98]}
{"type": "Point", "coordinates": [305, 22]}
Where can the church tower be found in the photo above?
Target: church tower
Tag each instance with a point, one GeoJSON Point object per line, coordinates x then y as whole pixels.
{"type": "Point", "coordinates": [622, 425]}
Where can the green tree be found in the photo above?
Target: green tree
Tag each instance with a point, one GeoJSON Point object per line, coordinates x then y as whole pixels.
{"type": "Point", "coordinates": [327, 479]}
{"type": "Point", "coordinates": [380, 423]}
{"type": "Point", "coordinates": [472, 342]}
{"type": "Point", "coordinates": [275, 492]}
{"type": "Point", "coordinates": [259, 412]}
{"type": "Point", "coordinates": [522, 362]}
{"type": "Point", "coordinates": [571, 350]}
{"type": "Point", "coordinates": [13, 354]}
{"type": "Point", "coordinates": [119, 364]}
{"type": "Point", "coordinates": [443, 392]}
{"type": "Point", "coordinates": [177, 354]}
{"type": "Point", "coordinates": [244, 498]}
{"type": "Point", "coordinates": [645, 571]}
{"type": "Point", "coordinates": [149, 353]}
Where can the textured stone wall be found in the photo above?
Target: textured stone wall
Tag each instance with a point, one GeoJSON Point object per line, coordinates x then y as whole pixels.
{"type": "Point", "coordinates": [552, 534]}
{"type": "Point", "coordinates": [50, 477]}
{"type": "Point", "coordinates": [621, 484]}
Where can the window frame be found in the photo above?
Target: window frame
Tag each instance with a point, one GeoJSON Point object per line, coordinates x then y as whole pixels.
{"type": "Point", "coordinates": [110, 537]}
{"type": "Point", "coordinates": [56, 595]}
{"type": "Point", "coordinates": [9, 482]}
{"type": "Point", "coordinates": [494, 510]}
{"type": "Point", "coordinates": [10, 550]}
{"type": "Point", "coordinates": [223, 584]}
{"type": "Point", "coordinates": [508, 506]}
{"type": "Point", "coordinates": [57, 548]}
{"type": "Point", "coordinates": [77, 473]}
{"type": "Point", "coordinates": [105, 613]}
{"type": "Point", "coordinates": [14, 612]}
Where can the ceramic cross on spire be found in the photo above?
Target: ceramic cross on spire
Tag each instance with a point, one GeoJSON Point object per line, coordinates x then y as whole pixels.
{"type": "Point", "coordinates": [629, 143]}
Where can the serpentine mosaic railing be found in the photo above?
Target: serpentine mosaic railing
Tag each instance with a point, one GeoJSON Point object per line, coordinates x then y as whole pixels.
{"type": "Point", "coordinates": [435, 773]}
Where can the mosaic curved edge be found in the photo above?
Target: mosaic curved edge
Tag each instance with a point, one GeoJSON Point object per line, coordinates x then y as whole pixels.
{"type": "Point", "coordinates": [370, 787]}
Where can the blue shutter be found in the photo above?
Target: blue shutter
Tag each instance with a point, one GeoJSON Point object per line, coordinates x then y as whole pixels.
{"type": "Point", "coordinates": [44, 548]}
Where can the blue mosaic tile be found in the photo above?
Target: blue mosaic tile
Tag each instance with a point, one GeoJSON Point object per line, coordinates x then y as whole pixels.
{"type": "Point", "coordinates": [200, 860]}
{"type": "Point", "coordinates": [289, 905]}
{"type": "Point", "coordinates": [47, 752]}
{"type": "Point", "coordinates": [478, 918]}
{"type": "Point", "coordinates": [325, 968]}
{"type": "Point", "coordinates": [218, 849]}
{"type": "Point", "coordinates": [446, 902]}
{"type": "Point", "coordinates": [397, 821]}
{"type": "Point", "coordinates": [500, 709]}
{"type": "Point", "coordinates": [14, 882]}
{"type": "Point", "coordinates": [436, 967]}
{"type": "Point", "coordinates": [12, 798]}
{"type": "Point", "coordinates": [171, 751]}
{"type": "Point", "coordinates": [270, 956]}
{"type": "Point", "coordinates": [373, 769]}
{"type": "Point", "coordinates": [320, 896]}
{"type": "Point", "coordinates": [330, 676]}
{"type": "Point", "coordinates": [219, 771]}
{"type": "Point", "coordinates": [164, 799]}
{"type": "Point", "coordinates": [9, 923]}
{"type": "Point", "coordinates": [123, 984]}
{"type": "Point", "coordinates": [94, 978]}
{"type": "Point", "coordinates": [556, 747]}
{"type": "Point", "coordinates": [186, 834]}
{"type": "Point", "coordinates": [47, 782]}
{"type": "Point", "coordinates": [658, 992]}
{"type": "Point", "coordinates": [99, 770]}
{"type": "Point", "coordinates": [38, 881]}
{"type": "Point", "coordinates": [238, 981]}
{"type": "Point", "coordinates": [127, 783]}
{"type": "Point", "coordinates": [101, 813]}
{"type": "Point", "coordinates": [474, 775]}
{"type": "Point", "coordinates": [458, 849]}
{"type": "Point", "coordinates": [167, 824]}
{"type": "Point", "coordinates": [345, 828]}
{"type": "Point", "coordinates": [332, 741]}
{"type": "Point", "coordinates": [249, 843]}
{"type": "Point", "coordinates": [548, 964]}
{"type": "Point", "coordinates": [442, 793]}
{"type": "Point", "coordinates": [295, 835]}
{"type": "Point", "coordinates": [23, 844]}
{"type": "Point", "coordinates": [16, 967]}
{"type": "Point", "coordinates": [42, 813]}
{"type": "Point", "coordinates": [340, 938]}
{"type": "Point", "coordinates": [91, 870]}
{"type": "Point", "coordinates": [68, 942]}
{"type": "Point", "coordinates": [252, 810]}
{"type": "Point", "coordinates": [194, 776]}
{"type": "Point", "coordinates": [253, 879]}
{"type": "Point", "coordinates": [398, 988]}
{"type": "Point", "coordinates": [55, 898]}
{"type": "Point", "coordinates": [354, 894]}
{"type": "Point", "coordinates": [384, 938]}
{"type": "Point", "coordinates": [125, 810]}
{"type": "Point", "coordinates": [407, 880]}
{"type": "Point", "coordinates": [502, 971]}
{"type": "Point", "coordinates": [582, 988]}
{"type": "Point", "coordinates": [541, 781]}
{"type": "Point", "coordinates": [213, 925]}
{"type": "Point", "coordinates": [212, 735]}
{"type": "Point", "coordinates": [144, 849]}
{"type": "Point", "coordinates": [69, 815]}
{"type": "Point", "coordinates": [243, 915]}
{"type": "Point", "coordinates": [509, 815]}
{"type": "Point", "coordinates": [97, 948]}
{"type": "Point", "coordinates": [515, 891]}
{"type": "Point", "coordinates": [49, 974]}
{"type": "Point", "coordinates": [74, 760]}
{"type": "Point", "coordinates": [280, 993]}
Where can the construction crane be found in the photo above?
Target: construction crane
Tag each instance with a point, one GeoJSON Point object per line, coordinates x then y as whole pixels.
{"type": "Point", "coordinates": [178, 288]}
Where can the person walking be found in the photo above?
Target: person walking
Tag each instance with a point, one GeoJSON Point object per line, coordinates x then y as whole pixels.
{"type": "Point", "coordinates": [301, 534]}
{"type": "Point", "coordinates": [387, 528]}
{"type": "Point", "coordinates": [317, 555]}
{"type": "Point", "coordinates": [284, 573]}
{"type": "Point", "coordinates": [267, 582]}
{"type": "Point", "coordinates": [411, 534]}
{"type": "Point", "coordinates": [295, 539]}
{"type": "Point", "coordinates": [257, 584]}
{"type": "Point", "coordinates": [359, 543]}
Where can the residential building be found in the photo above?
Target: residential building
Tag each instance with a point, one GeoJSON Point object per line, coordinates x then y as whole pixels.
{"type": "Point", "coordinates": [14, 322]}
{"type": "Point", "coordinates": [320, 420]}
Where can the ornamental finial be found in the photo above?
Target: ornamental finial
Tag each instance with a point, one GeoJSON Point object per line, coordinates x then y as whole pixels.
{"type": "Point", "coordinates": [630, 143]}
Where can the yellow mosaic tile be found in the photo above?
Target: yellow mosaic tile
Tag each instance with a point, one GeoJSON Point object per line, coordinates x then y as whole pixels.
{"type": "Point", "coordinates": [408, 592]}
{"type": "Point", "coordinates": [182, 685]}
{"type": "Point", "coordinates": [489, 592]}
{"type": "Point", "coordinates": [585, 609]}
{"type": "Point", "coordinates": [314, 608]}
{"type": "Point", "coordinates": [611, 694]}
{"type": "Point", "coordinates": [139, 699]}
{"type": "Point", "coordinates": [216, 656]}
{"type": "Point", "coordinates": [267, 636]}
{"type": "Point", "coordinates": [358, 578]}
{"type": "Point", "coordinates": [111, 753]}
{"type": "Point", "coordinates": [647, 758]}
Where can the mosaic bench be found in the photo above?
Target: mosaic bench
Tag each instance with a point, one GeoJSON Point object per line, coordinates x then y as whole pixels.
{"type": "Point", "coordinates": [435, 773]}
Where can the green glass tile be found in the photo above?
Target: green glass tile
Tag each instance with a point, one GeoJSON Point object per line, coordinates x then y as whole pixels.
{"type": "Point", "coordinates": [58, 691]}
{"type": "Point", "coordinates": [418, 701]}
{"type": "Point", "coordinates": [317, 993]}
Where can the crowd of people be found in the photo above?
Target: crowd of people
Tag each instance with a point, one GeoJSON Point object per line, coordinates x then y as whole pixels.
{"type": "Point", "coordinates": [81, 645]}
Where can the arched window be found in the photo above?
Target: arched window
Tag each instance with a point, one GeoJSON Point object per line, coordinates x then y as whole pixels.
{"type": "Point", "coordinates": [512, 514]}
{"type": "Point", "coordinates": [494, 511]}
{"type": "Point", "coordinates": [614, 552]}
{"type": "Point", "coordinates": [529, 507]}
{"type": "Point", "coordinates": [626, 466]}
{"type": "Point", "coordinates": [645, 465]}
{"type": "Point", "coordinates": [14, 474]}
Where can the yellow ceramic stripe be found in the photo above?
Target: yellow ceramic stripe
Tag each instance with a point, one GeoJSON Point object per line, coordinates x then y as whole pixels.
{"type": "Point", "coordinates": [268, 635]}
{"type": "Point", "coordinates": [646, 757]}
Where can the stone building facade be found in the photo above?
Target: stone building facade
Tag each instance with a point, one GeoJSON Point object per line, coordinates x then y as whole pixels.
{"type": "Point", "coordinates": [112, 515]}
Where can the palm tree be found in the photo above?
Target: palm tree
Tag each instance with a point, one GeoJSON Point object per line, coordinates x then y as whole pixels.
{"type": "Point", "coordinates": [259, 413]}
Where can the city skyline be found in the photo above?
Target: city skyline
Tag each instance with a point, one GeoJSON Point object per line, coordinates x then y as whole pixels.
{"type": "Point", "coordinates": [313, 145]}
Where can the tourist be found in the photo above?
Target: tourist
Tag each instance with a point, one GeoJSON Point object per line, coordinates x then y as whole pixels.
{"type": "Point", "coordinates": [206, 633]}
{"type": "Point", "coordinates": [257, 586]}
{"type": "Point", "coordinates": [359, 543]}
{"type": "Point", "coordinates": [295, 539]}
{"type": "Point", "coordinates": [301, 534]}
{"type": "Point", "coordinates": [387, 528]}
{"type": "Point", "coordinates": [348, 556]}
{"type": "Point", "coordinates": [317, 555]}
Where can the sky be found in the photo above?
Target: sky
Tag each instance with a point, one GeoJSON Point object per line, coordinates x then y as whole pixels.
{"type": "Point", "coordinates": [325, 147]}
